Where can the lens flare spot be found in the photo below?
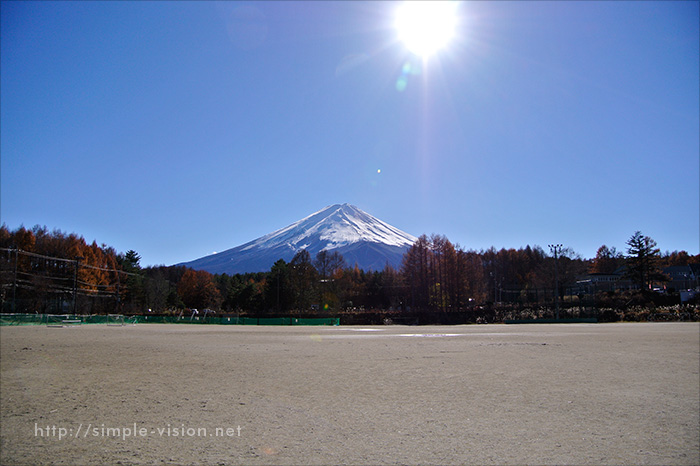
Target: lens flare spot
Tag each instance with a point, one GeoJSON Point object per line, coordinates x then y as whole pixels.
{"type": "Point", "coordinates": [410, 68]}
{"type": "Point", "coordinates": [401, 83]}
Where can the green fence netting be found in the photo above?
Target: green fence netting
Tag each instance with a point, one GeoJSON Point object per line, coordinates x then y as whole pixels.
{"type": "Point", "coordinates": [60, 319]}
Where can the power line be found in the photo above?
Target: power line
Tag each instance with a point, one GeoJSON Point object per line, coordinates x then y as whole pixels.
{"type": "Point", "coordinates": [49, 275]}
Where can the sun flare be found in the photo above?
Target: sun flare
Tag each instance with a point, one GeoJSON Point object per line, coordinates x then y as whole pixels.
{"type": "Point", "coordinates": [426, 26]}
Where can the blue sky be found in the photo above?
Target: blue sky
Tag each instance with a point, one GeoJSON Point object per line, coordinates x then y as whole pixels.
{"type": "Point", "coordinates": [182, 128]}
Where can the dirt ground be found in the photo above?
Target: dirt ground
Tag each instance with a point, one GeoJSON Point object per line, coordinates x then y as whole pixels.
{"type": "Point", "coordinates": [493, 394]}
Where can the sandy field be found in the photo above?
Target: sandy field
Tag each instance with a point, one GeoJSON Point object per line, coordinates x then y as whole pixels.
{"type": "Point", "coordinates": [494, 394]}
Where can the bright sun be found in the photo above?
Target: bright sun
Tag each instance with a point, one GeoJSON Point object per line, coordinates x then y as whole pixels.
{"type": "Point", "coordinates": [426, 26]}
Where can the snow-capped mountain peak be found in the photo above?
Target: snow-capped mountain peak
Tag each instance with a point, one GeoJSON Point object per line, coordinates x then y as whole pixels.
{"type": "Point", "coordinates": [361, 238]}
{"type": "Point", "coordinates": [335, 226]}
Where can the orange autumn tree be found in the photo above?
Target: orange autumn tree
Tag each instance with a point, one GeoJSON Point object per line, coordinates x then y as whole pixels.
{"type": "Point", "coordinates": [198, 290]}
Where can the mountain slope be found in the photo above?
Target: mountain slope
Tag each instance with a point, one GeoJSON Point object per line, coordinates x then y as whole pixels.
{"type": "Point", "coordinates": [361, 238]}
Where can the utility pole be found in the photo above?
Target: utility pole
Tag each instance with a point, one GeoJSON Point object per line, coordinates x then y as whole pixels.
{"type": "Point", "coordinates": [116, 309]}
{"type": "Point", "coordinates": [75, 285]}
{"type": "Point", "coordinates": [14, 283]}
{"type": "Point", "coordinates": [556, 249]}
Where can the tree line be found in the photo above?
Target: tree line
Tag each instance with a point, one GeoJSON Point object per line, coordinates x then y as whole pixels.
{"type": "Point", "coordinates": [436, 276]}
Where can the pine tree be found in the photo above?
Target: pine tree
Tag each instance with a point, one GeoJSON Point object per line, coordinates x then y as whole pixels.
{"type": "Point", "coordinates": [302, 277]}
{"type": "Point", "coordinates": [277, 287]}
{"type": "Point", "coordinates": [642, 259]}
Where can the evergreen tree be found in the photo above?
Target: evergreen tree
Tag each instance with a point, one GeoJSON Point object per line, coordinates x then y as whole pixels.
{"type": "Point", "coordinates": [130, 261]}
{"type": "Point", "coordinates": [642, 259]}
{"type": "Point", "coordinates": [277, 287]}
{"type": "Point", "coordinates": [302, 277]}
{"type": "Point", "coordinates": [134, 288]}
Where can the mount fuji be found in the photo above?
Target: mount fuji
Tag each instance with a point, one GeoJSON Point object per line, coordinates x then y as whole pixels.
{"type": "Point", "coordinates": [361, 239]}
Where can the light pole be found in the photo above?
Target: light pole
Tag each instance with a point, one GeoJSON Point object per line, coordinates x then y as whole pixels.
{"type": "Point", "coordinates": [556, 249]}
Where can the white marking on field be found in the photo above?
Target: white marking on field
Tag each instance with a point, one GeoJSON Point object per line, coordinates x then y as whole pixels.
{"type": "Point", "coordinates": [387, 335]}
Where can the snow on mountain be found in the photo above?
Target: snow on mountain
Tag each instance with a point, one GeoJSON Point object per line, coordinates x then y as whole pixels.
{"type": "Point", "coordinates": [361, 238]}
